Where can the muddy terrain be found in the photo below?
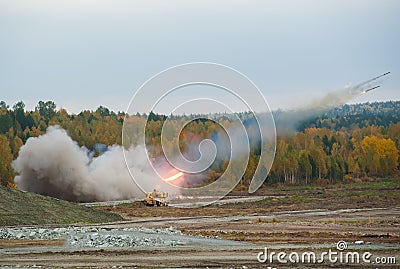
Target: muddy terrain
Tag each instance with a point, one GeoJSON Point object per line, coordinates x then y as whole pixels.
{"type": "Point", "coordinates": [229, 234]}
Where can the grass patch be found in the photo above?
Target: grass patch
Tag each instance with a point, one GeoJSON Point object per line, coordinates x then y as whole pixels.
{"type": "Point", "coordinates": [25, 208]}
{"type": "Point", "coordinates": [298, 198]}
{"type": "Point", "coordinates": [299, 188]}
{"type": "Point", "coordinates": [377, 184]}
{"type": "Point", "coordinates": [385, 183]}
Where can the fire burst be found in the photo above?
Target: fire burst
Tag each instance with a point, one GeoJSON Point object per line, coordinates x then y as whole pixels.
{"type": "Point", "coordinates": [172, 178]}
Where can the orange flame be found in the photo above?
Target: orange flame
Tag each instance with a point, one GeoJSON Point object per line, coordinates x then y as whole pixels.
{"type": "Point", "coordinates": [171, 178]}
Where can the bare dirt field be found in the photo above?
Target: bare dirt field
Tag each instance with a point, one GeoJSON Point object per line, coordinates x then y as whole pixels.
{"type": "Point", "coordinates": [365, 216]}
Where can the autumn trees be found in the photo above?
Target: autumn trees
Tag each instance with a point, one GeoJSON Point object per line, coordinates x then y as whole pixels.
{"type": "Point", "coordinates": [47, 110]}
{"type": "Point", "coordinates": [355, 142]}
{"type": "Point", "coordinates": [380, 156]}
{"type": "Point", "coordinates": [321, 153]}
{"type": "Point", "coordinates": [6, 171]}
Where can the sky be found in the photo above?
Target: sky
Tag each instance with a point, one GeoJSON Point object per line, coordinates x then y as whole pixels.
{"type": "Point", "coordinates": [82, 54]}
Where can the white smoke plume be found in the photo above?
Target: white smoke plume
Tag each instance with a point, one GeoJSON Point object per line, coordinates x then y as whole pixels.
{"type": "Point", "coordinates": [288, 121]}
{"type": "Point", "coordinates": [53, 164]}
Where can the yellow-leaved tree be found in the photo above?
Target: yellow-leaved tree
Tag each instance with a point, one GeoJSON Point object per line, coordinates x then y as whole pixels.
{"type": "Point", "coordinates": [380, 155]}
{"type": "Point", "coordinates": [6, 157]}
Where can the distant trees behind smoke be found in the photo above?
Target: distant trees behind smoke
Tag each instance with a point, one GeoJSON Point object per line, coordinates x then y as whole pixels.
{"type": "Point", "coordinates": [349, 117]}
{"type": "Point", "coordinates": [354, 141]}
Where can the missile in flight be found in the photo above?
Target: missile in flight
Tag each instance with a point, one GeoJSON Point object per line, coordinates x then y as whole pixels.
{"type": "Point", "coordinates": [367, 86]}
{"type": "Point", "coordinates": [370, 89]}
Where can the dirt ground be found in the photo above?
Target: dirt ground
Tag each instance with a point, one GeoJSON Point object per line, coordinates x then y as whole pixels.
{"type": "Point", "coordinates": [313, 226]}
{"type": "Point", "coordinates": [381, 194]}
{"type": "Point", "coordinates": [366, 217]}
{"type": "Point", "coordinates": [316, 230]}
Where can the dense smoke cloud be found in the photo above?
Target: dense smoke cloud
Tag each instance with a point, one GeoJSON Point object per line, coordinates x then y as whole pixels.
{"type": "Point", "coordinates": [53, 164]}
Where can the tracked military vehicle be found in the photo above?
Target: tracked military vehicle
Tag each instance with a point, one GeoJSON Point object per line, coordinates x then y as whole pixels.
{"type": "Point", "coordinates": [156, 198]}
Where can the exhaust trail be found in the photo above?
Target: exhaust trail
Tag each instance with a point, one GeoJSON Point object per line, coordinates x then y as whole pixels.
{"type": "Point", "coordinates": [360, 87]}
{"type": "Point", "coordinates": [53, 164]}
{"type": "Point", "coordinates": [289, 120]}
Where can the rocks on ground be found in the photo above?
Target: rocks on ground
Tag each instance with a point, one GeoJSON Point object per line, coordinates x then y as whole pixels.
{"type": "Point", "coordinates": [83, 237]}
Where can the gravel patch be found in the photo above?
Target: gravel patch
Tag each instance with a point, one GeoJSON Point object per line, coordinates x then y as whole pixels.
{"type": "Point", "coordinates": [88, 237]}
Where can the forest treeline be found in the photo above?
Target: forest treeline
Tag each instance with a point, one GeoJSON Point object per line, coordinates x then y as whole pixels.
{"type": "Point", "coordinates": [347, 143]}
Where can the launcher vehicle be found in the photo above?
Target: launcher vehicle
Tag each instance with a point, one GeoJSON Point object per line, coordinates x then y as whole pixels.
{"type": "Point", "coordinates": [156, 198]}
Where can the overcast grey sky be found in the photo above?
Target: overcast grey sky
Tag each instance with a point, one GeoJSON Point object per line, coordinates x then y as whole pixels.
{"type": "Point", "coordinates": [83, 54]}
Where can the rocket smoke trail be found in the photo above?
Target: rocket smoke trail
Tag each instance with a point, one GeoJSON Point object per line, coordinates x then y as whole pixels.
{"type": "Point", "coordinates": [288, 121]}
{"type": "Point", "coordinates": [53, 164]}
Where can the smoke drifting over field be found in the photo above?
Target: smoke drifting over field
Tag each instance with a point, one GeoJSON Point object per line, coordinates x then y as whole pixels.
{"type": "Point", "coordinates": [289, 121]}
{"type": "Point", "coordinates": [53, 164]}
